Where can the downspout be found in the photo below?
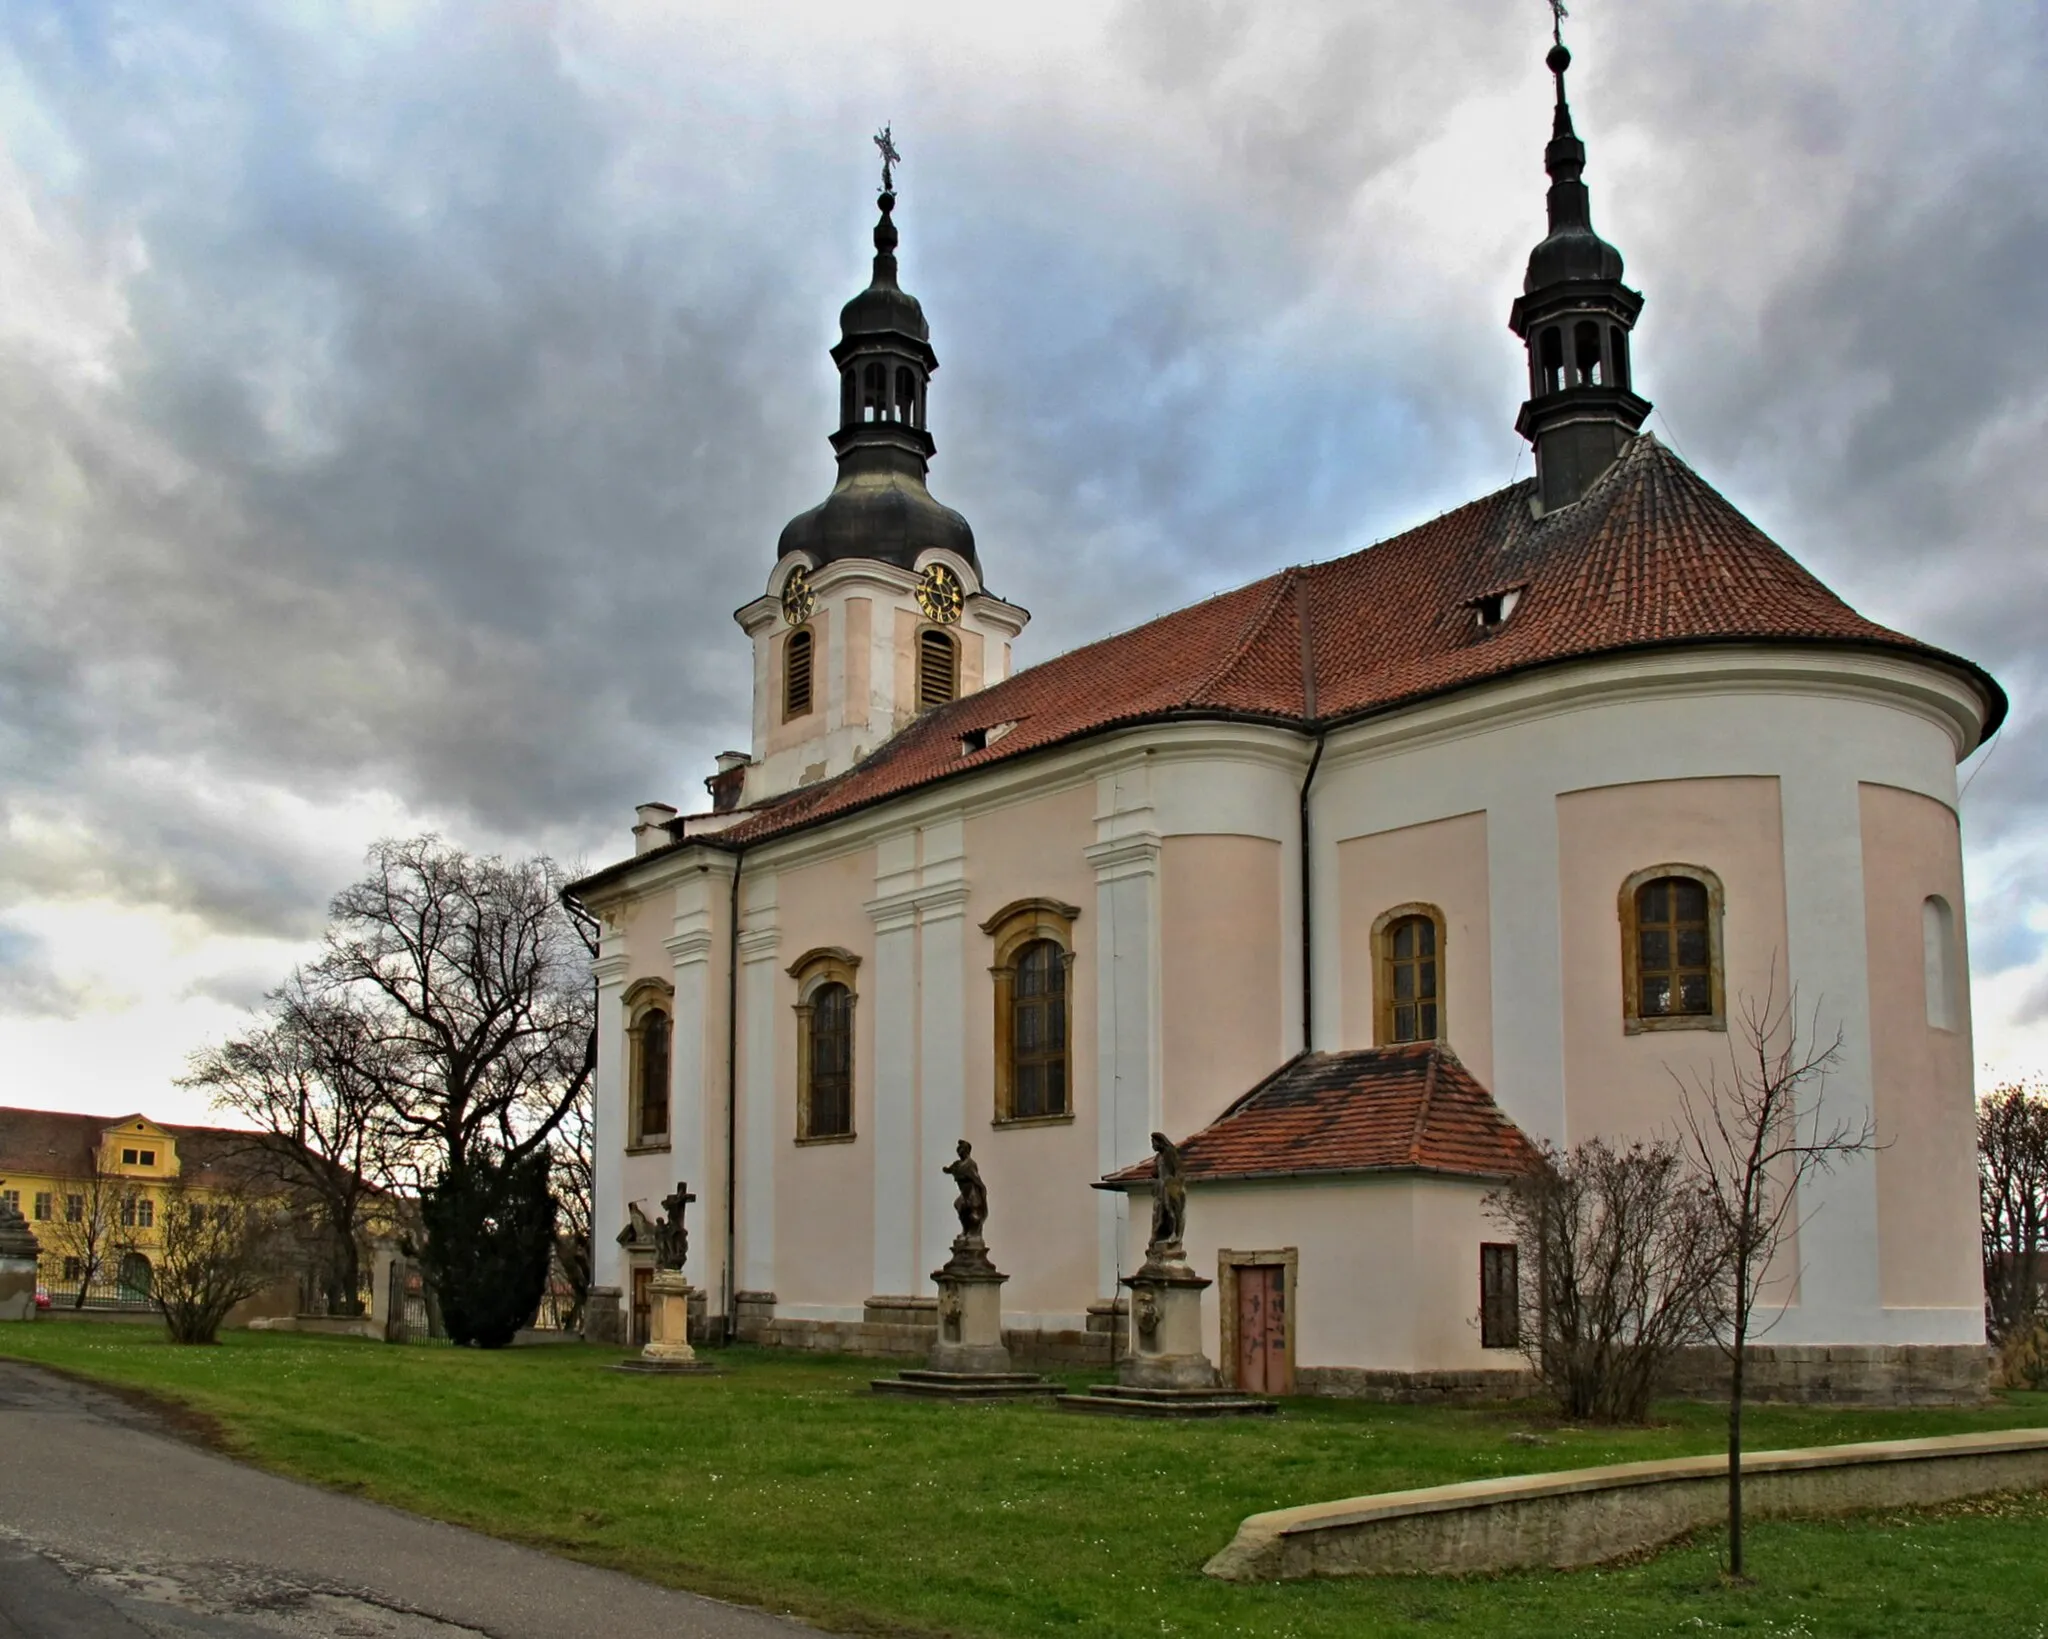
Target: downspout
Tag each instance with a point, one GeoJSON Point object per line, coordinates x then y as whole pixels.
{"type": "Point", "coordinates": [729, 1280]}
{"type": "Point", "coordinates": [1305, 618]}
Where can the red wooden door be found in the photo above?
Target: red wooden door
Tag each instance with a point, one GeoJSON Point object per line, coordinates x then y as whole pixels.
{"type": "Point", "coordinates": [1262, 1363]}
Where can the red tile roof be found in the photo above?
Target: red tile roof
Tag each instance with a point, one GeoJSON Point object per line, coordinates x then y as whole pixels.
{"type": "Point", "coordinates": [1651, 557]}
{"type": "Point", "coordinates": [1411, 1108]}
{"type": "Point", "coordinates": [63, 1143]}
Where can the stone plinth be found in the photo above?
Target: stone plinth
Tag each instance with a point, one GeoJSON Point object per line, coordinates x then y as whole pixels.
{"type": "Point", "coordinates": [1166, 1328]}
{"type": "Point", "coordinates": [18, 1251]}
{"type": "Point", "coordinates": [668, 1326]}
{"type": "Point", "coordinates": [968, 1359]}
{"type": "Point", "coordinates": [1165, 1373]}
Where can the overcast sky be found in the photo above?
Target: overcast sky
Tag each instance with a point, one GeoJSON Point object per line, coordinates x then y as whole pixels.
{"type": "Point", "coordinates": [395, 401]}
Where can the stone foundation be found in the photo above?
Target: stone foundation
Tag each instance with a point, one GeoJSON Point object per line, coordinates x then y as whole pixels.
{"type": "Point", "coordinates": [1414, 1388]}
{"type": "Point", "coordinates": [604, 1319]}
{"type": "Point", "coordinates": [905, 1328]}
{"type": "Point", "coordinates": [1955, 1374]}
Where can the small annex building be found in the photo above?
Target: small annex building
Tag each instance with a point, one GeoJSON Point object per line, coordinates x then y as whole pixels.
{"type": "Point", "coordinates": [1358, 881]}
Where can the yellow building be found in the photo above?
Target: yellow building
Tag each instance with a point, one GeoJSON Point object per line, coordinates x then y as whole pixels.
{"type": "Point", "coordinates": [98, 1193]}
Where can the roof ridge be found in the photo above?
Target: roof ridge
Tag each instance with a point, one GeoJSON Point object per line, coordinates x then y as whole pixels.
{"type": "Point", "coordinates": [1422, 1107]}
{"type": "Point", "coordinates": [1254, 629]}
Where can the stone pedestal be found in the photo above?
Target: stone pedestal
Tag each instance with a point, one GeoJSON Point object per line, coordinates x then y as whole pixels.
{"type": "Point", "coordinates": [1165, 1372]}
{"type": "Point", "coordinates": [969, 1360]}
{"type": "Point", "coordinates": [18, 1252]}
{"type": "Point", "coordinates": [668, 1327]}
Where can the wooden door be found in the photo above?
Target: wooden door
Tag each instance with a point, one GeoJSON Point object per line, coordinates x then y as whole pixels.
{"type": "Point", "coordinates": [643, 1304]}
{"type": "Point", "coordinates": [1263, 1366]}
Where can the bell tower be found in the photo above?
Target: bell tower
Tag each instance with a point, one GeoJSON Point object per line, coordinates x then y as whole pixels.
{"type": "Point", "coordinates": [875, 610]}
{"type": "Point", "coordinates": [1574, 315]}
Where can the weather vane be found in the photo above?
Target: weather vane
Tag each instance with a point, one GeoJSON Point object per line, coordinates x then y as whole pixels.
{"type": "Point", "coordinates": [890, 158]}
{"type": "Point", "coordinates": [1557, 16]}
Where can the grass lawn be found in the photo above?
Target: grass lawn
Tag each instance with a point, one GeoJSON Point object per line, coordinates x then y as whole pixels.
{"type": "Point", "coordinates": [783, 1484]}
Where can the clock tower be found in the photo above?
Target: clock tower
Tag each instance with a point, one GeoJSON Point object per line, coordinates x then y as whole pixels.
{"type": "Point", "coordinates": [875, 610]}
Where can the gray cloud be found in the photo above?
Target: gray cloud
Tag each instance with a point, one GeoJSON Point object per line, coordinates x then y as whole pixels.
{"type": "Point", "coordinates": [465, 372]}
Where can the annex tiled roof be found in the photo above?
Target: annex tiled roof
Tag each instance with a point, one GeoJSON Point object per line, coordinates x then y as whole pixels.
{"type": "Point", "coordinates": [1652, 556]}
{"type": "Point", "coordinates": [1411, 1108]}
{"type": "Point", "coordinates": [62, 1142]}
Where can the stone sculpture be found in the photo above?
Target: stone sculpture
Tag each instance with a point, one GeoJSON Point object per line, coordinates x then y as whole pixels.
{"type": "Point", "coordinates": [1169, 1201]}
{"type": "Point", "coordinates": [671, 1237]}
{"type": "Point", "coordinates": [972, 1201]}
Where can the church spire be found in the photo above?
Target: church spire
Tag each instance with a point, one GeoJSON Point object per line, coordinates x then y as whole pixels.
{"type": "Point", "coordinates": [1574, 315]}
{"type": "Point", "coordinates": [880, 508]}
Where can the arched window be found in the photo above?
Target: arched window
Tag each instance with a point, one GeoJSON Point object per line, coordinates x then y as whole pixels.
{"type": "Point", "coordinates": [1409, 941]}
{"type": "Point", "coordinates": [650, 1050]}
{"type": "Point", "coordinates": [656, 1040]}
{"type": "Point", "coordinates": [1034, 959]}
{"type": "Point", "coordinates": [1938, 939]}
{"type": "Point", "coordinates": [874, 404]}
{"type": "Point", "coordinates": [906, 397]}
{"type": "Point", "coordinates": [1671, 949]}
{"type": "Point", "coordinates": [796, 674]}
{"type": "Point", "coordinates": [1617, 342]}
{"type": "Point", "coordinates": [938, 669]}
{"type": "Point", "coordinates": [1550, 362]}
{"type": "Point", "coordinates": [824, 1044]}
{"type": "Point", "coordinates": [1586, 352]}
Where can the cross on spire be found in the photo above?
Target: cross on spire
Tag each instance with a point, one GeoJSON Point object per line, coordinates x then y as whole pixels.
{"type": "Point", "coordinates": [890, 159]}
{"type": "Point", "coordinates": [1558, 14]}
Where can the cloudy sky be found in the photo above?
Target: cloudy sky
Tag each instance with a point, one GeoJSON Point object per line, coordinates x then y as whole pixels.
{"type": "Point", "coordinates": [396, 400]}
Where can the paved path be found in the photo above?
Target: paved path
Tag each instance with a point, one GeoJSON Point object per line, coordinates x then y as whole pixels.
{"type": "Point", "coordinates": [112, 1529]}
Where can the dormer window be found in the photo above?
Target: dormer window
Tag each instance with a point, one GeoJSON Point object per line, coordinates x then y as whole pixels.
{"type": "Point", "coordinates": [1491, 611]}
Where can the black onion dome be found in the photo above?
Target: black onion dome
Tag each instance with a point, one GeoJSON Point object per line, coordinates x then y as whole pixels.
{"type": "Point", "coordinates": [889, 517]}
{"type": "Point", "coordinates": [1571, 256]}
{"type": "Point", "coordinates": [884, 308]}
{"type": "Point", "coordinates": [1572, 252]}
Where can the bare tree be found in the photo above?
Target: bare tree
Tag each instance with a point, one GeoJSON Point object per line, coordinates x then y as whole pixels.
{"type": "Point", "coordinates": [1626, 1256]}
{"type": "Point", "coordinates": [2012, 1197]}
{"type": "Point", "coordinates": [574, 1155]}
{"type": "Point", "coordinates": [473, 983]}
{"type": "Point", "coordinates": [214, 1254]}
{"type": "Point", "coordinates": [1752, 1139]}
{"type": "Point", "coordinates": [86, 1230]}
{"type": "Point", "coordinates": [311, 1081]}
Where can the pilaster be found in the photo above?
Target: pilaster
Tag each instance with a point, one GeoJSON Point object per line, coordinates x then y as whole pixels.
{"type": "Point", "coordinates": [759, 942]}
{"type": "Point", "coordinates": [608, 1114]}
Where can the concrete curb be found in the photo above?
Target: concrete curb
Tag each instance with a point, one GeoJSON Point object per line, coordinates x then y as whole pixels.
{"type": "Point", "coordinates": [1588, 1515]}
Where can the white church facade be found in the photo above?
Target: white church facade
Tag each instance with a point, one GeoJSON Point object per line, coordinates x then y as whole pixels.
{"type": "Point", "coordinates": [1357, 881]}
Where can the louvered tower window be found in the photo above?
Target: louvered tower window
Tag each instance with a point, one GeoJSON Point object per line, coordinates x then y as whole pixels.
{"type": "Point", "coordinates": [938, 670]}
{"type": "Point", "coordinates": [796, 675]}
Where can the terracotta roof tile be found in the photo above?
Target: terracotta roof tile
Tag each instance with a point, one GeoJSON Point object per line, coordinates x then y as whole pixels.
{"type": "Point", "coordinates": [1651, 556]}
{"type": "Point", "coordinates": [63, 1142]}
{"type": "Point", "coordinates": [1411, 1108]}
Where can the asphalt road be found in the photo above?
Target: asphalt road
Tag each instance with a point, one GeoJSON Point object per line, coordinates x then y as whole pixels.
{"type": "Point", "coordinates": [112, 1528]}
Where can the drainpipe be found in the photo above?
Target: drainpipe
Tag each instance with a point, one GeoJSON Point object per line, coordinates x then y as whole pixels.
{"type": "Point", "coordinates": [730, 1279]}
{"type": "Point", "coordinates": [1305, 618]}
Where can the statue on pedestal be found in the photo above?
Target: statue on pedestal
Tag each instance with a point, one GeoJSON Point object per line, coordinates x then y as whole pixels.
{"type": "Point", "coordinates": [671, 1238]}
{"type": "Point", "coordinates": [1169, 1202]}
{"type": "Point", "coordinates": [972, 1201]}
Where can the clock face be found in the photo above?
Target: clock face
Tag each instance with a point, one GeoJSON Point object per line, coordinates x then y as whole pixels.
{"type": "Point", "coordinates": [938, 594]}
{"type": "Point", "coordinates": [798, 600]}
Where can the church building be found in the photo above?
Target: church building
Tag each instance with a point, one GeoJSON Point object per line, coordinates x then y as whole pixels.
{"type": "Point", "coordinates": [1359, 882]}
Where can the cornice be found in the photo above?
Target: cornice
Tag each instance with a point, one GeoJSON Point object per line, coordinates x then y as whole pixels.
{"type": "Point", "coordinates": [1121, 857]}
{"type": "Point", "coordinates": [610, 970]}
{"type": "Point", "coordinates": [1927, 690]}
{"type": "Point", "coordinates": [935, 904]}
{"type": "Point", "coordinates": [686, 948]}
{"type": "Point", "coordinates": [760, 944]}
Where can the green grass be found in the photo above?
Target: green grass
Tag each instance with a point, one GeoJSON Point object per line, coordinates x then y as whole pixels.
{"type": "Point", "coordinates": [784, 1484]}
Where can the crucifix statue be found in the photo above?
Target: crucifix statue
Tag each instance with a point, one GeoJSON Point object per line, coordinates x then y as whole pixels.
{"type": "Point", "coordinates": [671, 1238]}
{"type": "Point", "coordinates": [890, 159]}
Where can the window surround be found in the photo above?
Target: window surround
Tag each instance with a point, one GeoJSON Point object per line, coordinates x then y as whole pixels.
{"type": "Point", "coordinates": [1018, 924]}
{"type": "Point", "coordinates": [1632, 1021]}
{"type": "Point", "coordinates": [1383, 972]}
{"type": "Point", "coordinates": [643, 999]}
{"type": "Point", "coordinates": [812, 971]}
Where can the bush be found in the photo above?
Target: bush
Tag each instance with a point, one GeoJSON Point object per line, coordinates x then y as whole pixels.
{"type": "Point", "coordinates": [2022, 1361]}
{"type": "Point", "coordinates": [490, 1231]}
{"type": "Point", "coordinates": [1622, 1263]}
{"type": "Point", "coordinates": [212, 1258]}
